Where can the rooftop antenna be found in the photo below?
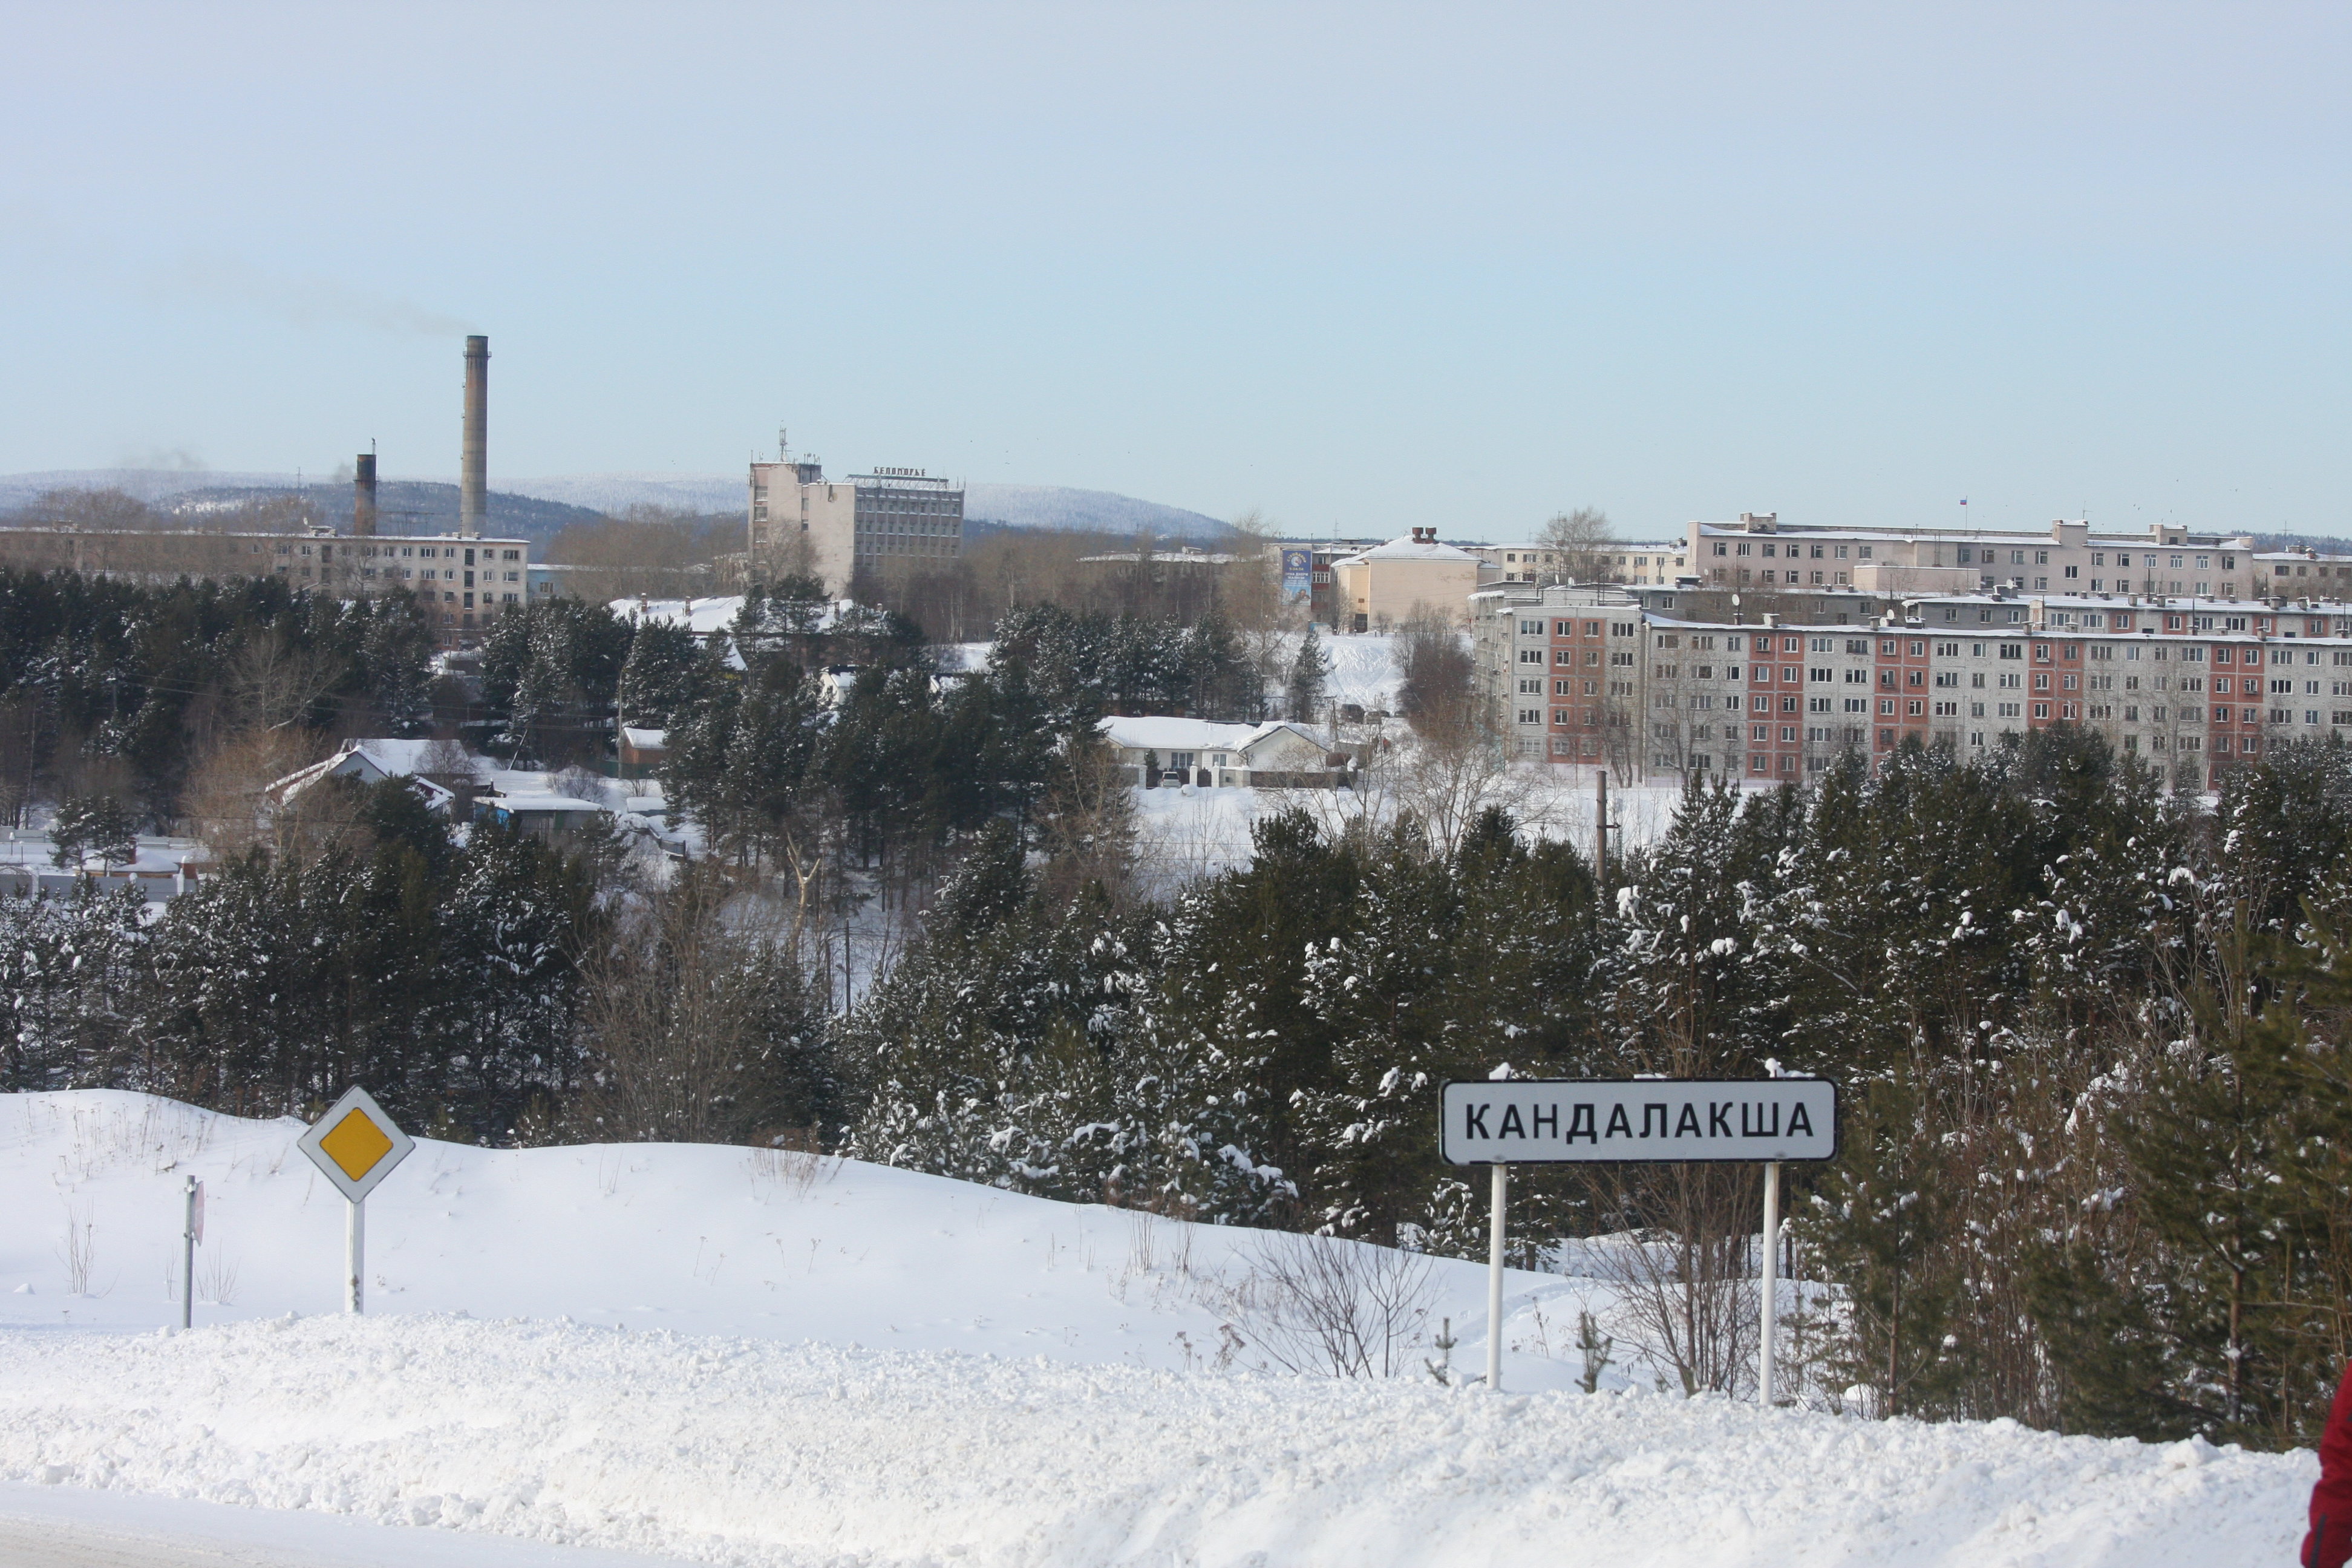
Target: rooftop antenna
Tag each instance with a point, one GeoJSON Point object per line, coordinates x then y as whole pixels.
{"type": "Point", "coordinates": [783, 447]}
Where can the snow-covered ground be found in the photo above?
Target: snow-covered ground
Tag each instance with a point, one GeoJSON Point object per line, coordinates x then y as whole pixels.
{"type": "Point", "coordinates": [749, 1358]}
{"type": "Point", "coordinates": [1363, 670]}
{"type": "Point", "coordinates": [696, 1238]}
{"type": "Point", "coordinates": [1186, 832]}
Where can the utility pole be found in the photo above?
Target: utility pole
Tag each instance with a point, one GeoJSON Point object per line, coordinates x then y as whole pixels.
{"type": "Point", "coordinates": [1601, 826]}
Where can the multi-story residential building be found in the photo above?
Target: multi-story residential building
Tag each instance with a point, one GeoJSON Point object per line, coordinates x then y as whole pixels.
{"type": "Point", "coordinates": [1652, 562]}
{"type": "Point", "coordinates": [1591, 674]}
{"type": "Point", "coordinates": [800, 522]}
{"type": "Point", "coordinates": [461, 581]}
{"type": "Point", "coordinates": [2166, 560]}
{"type": "Point", "coordinates": [1559, 670]}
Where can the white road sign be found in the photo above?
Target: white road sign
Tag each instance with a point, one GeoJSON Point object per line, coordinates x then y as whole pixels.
{"type": "Point", "coordinates": [1535, 1121]}
{"type": "Point", "coordinates": [356, 1144]}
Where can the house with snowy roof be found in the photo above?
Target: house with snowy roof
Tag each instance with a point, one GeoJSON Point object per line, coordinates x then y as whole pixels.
{"type": "Point", "coordinates": [541, 814]}
{"type": "Point", "coordinates": [1158, 751]}
{"type": "Point", "coordinates": [1381, 586]}
{"type": "Point", "coordinates": [370, 762]}
{"type": "Point", "coordinates": [643, 750]}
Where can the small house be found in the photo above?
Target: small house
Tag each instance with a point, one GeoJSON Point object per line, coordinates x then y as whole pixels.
{"type": "Point", "coordinates": [1163, 751]}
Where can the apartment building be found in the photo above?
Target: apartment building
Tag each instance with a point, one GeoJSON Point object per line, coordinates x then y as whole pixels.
{"type": "Point", "coordinates": [460, 582]}
{"type": "Point", "coordinates": [800, 522]}
{"type": "Point", "coordinates": [2166, 560]}
{"type": "Point", "coordinates": [1559, 668]}
{"type": "Point", "coordinates": [1587, 675]}
{"type": "Point", "coordinates": [1651, 562]}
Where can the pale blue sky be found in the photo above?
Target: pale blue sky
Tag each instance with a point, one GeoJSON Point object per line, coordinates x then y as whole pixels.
{"type": "Point", "coordinates": [1356, 265]}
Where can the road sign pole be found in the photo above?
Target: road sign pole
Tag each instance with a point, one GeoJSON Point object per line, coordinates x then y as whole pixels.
{"type": "Point", "coordinates": [1771, 1283]}
{"type": "Point", "coordinates": [1495, 1278]}
{"type": "Point", "coordinates": [355, 1145]}
{"type": "Point", "coordinates": [188, 1272]}
{"type": "Point", "coordinates": [1769, 1122]}
{"type": "Point", "coordinates": [354, 1245]}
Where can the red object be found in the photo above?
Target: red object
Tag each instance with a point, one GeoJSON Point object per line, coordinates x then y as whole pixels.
{"type": "Point", "coordinates": [2330, 1541]}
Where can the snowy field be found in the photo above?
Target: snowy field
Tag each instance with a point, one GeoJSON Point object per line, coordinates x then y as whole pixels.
{"type": "Point", "coordinates": [708, 1354]}
{"type": "Point", "coordinates": [1186, 832]}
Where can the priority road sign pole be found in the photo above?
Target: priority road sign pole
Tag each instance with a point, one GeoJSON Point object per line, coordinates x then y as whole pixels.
{"type": "Point", "coordinates": [354, 1244]}
{"type": "Point", "coordinates": [355, 1145]}
{"type": "Point", "coordinates": [1771, 1282]}
{"type": "Point", "coordinates": [1495, 1279]}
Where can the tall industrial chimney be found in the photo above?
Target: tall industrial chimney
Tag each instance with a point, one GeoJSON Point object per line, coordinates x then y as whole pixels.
{"type": "Point", "coordinates": [473, 480]}
{"type": "Point", "coordinates": [363, 496]}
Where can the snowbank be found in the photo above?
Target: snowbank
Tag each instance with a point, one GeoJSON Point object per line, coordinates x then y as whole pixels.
{"type": "Point", "coordinates": [731, 1450]}
{"type": "Point", "coordinates": [755, 1358]}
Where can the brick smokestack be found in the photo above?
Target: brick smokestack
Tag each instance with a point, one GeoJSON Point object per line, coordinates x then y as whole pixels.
{"type": "Point", "coordinates": [473, 480]}
{"type": "Point", "coordinates": [363, 496]}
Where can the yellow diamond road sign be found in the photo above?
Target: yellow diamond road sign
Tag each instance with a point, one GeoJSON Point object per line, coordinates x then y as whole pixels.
{"type": "Point", "coordinates": [355, 1145]}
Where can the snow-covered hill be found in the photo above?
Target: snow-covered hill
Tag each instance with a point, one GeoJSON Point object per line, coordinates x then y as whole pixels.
{"type": "Point", "coordinates": [697, 1239]}
{"type": "Point", "coordinates": [742, 1358]}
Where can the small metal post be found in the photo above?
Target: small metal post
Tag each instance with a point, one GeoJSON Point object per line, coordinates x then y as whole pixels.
{"type": "Point", "coordinates": [355, 1239]}
{"type": "Point", "coordinates": [1771, 1282]}
{"type": "Point", "coordinates": [188, 1270]}
{"type": "Point", "coordinates": [1494, 1282]}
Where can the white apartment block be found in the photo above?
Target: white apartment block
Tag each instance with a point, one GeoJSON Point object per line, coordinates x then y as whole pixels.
{"type": "Point", "coordinates": [799, 520]}
{"type": "Point", "coordinates": [1587, 676]}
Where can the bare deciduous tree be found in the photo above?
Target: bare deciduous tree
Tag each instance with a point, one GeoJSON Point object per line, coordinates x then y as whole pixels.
{"type": "Point", "coordinates": [699, 1020]}
{"type": "Point", "coordinates": [1687, 1287]}
{"type": "Point", "coordinates": [278, 682]}
{"type": "Point", "coordinates": [1582, 539]}
{"type": "Point", "coordinates": [228, 804]}
{"type": "Point", "coordinates": [1321, 1305]}
{"type": "Point", "coordinates": [1089, 830]}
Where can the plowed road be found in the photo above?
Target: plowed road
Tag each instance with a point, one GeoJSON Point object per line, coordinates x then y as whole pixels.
{"type": "Point", "coordinates": [72, 1527]}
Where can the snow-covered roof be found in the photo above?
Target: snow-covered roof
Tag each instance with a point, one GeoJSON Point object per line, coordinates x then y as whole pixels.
{"type": "Point", "coordinates": [700, 616]}
{"type": "Point", "coordinates": [398, 759]}
{"type": "Point", "coordinates": [644, 740]}
{"type": "Point", "coordinates": [1163, 735]}
{"type": "Point", "coordinates": [1408, 548]}
{"type": "Point", "coordinates": [1597, 547]}
{"type": "Point", "coordinates": [704, 617]}
{"type": "Point", "coordinates": [964, 658]}
{"type": "Point", "coordinates": [367, 761]}
{"type": "Point", "coordinates": [1197, 557]}
{"type": "Point", "coordinates": [541, 802]}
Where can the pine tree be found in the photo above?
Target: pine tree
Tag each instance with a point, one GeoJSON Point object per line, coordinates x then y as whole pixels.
{"type": "Point", "coordinates": [89, 825]}
{"type": "Point", "coordinates": [71, 974]}
{"type": "Point", "coordinates": [660, 679]}
{"type": "Point", "coordinates": [1303, 693]}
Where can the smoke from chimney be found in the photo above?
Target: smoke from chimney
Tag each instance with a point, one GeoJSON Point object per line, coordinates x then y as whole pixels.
{"type": "Point", "coordinates": [473, 480]}
{"type": "Point", "coordinates": [363, 496]}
